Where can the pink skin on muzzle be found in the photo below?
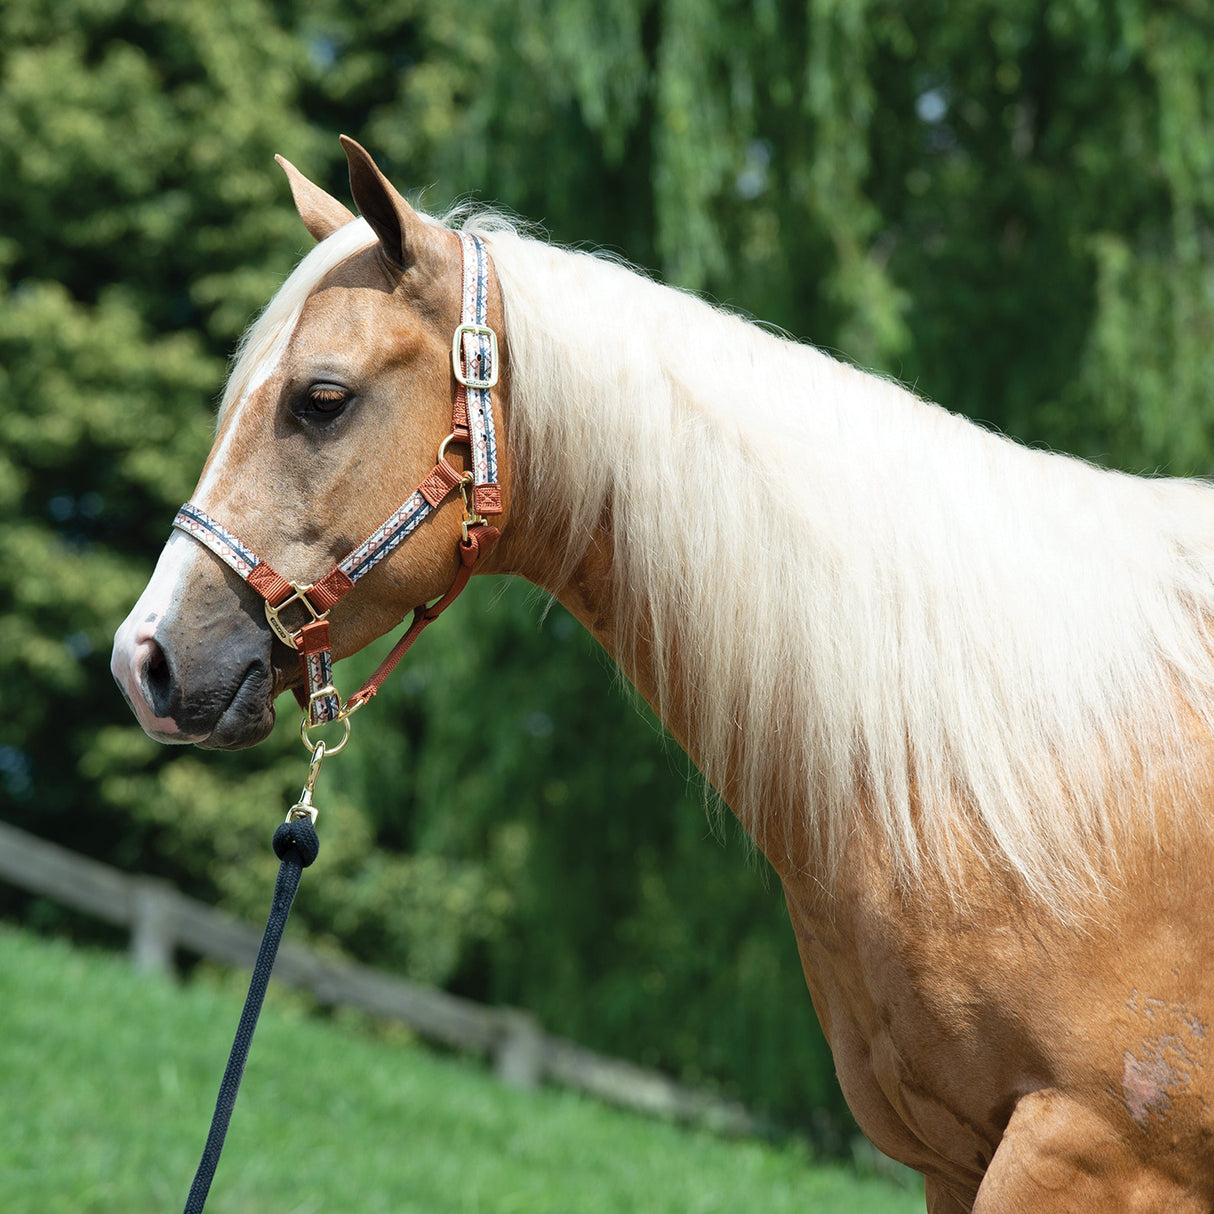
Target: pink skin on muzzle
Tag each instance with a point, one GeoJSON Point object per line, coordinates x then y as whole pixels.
{"type": "Point", "coordinates": [138, 663]}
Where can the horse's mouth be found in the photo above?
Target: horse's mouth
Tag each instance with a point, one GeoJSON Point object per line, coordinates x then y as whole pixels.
{"type": "Point", "coordinates": [249, 715]}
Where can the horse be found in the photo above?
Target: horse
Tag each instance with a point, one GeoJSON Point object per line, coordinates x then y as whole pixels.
{"type": "Point", "coordinates": [959, 691]}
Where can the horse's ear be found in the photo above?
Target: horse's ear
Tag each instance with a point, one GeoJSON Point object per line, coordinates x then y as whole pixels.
{"type": "Point", "coordinates": [321, 213]}
{"type": "Point", "coordinates": [392, 219]}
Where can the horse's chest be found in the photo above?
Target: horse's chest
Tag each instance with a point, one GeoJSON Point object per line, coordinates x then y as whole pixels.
{"type": "Point", "coordinates": [926, 1059]}
{"type": "Point", "coordinates": [941, 1023]}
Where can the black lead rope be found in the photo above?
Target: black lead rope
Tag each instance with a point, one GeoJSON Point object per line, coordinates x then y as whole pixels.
{"type": "Point", "coordinates": [296, 845]}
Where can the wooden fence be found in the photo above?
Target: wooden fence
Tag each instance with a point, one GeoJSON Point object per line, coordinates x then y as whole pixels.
{"type": "Point", "coordinates": [161, 920]}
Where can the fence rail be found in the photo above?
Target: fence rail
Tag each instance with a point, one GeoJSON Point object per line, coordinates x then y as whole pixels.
{"type": "Point", "coordinates": [161, 919]}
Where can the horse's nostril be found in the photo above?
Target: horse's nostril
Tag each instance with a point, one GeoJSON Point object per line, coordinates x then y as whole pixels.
{"type": "Point", "coordinates": [157, 677]}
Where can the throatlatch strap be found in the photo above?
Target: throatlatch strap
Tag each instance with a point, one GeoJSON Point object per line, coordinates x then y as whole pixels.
{"type": "Point", "coordinates": [478, 351]}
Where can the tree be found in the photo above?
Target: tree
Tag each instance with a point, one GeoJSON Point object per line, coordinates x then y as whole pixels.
{"type": "Point", "coordinates": [140, 232]}
{"type": "Point", "coordinates": [1007, 205]}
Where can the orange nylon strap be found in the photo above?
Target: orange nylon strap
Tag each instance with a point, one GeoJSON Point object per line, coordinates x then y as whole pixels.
{"type": "Point", "coordinates": [441, 480]}
{"type": "Point", "coordinates": [317, 695]}
{"type": "Point", "coordinates": [481, 539]}
{"type": "Point", "coordinates": [270, 584]}
{"type": "Point", "coordinates": [326, 593]}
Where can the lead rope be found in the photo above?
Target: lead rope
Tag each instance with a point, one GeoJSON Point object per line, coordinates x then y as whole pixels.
{"type": "Point", "coordinates": [296, 844]}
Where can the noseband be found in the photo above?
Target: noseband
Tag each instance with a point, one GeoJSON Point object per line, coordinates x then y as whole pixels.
{"type": "Point", "coordinates": [474, 359]}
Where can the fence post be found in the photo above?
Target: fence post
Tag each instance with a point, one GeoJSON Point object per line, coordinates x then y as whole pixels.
{"type": "Point", "coordinates": [153, 925]}
{"type": "Point", "coordinates": [159, 918]}
{"type": "Point", "coordinates": [518, 1053]}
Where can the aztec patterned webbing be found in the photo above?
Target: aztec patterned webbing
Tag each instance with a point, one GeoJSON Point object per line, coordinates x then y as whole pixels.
{"type": "Point", "coordinates": [217, 538]}
{"type": "Point", "coordinates": [478, 353]}
{"type": "Point", "coordinates": [386, 538]}
{"type": "Point", "coordinates": [318, 667]}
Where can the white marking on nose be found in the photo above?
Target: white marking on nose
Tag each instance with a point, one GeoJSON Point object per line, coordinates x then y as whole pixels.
{"type": "Point", "coordinates": [134, 646]}
{"type": "Point", "coordinates": [231, 423]}
{"type": "Point", "coordinates": [267, 341]}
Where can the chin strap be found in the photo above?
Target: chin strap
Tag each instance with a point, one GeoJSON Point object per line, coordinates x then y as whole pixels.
{"type": "Point", "coordinates": [474, 362]}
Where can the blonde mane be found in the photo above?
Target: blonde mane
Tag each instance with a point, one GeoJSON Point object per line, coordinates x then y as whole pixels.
{"type": "Point", "coordinates": [978, 643]}
{"type": "Point", "coordinates": [865, 603]}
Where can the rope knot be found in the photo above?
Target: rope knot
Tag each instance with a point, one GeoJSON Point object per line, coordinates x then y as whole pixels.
{"type": "Point", "coordinates": [298, 835]}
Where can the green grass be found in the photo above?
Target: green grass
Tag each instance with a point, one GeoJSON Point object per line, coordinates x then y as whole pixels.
{"type": "Point", "coordinates": [107, 1080]}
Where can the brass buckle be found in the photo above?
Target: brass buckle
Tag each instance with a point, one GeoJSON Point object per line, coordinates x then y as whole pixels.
{"type": "Point", "coordinates": [342, 719]}
{"type": "Point", "coordinates": [471, 381]}
{"type": "Point", "coordinates": [273, 614]}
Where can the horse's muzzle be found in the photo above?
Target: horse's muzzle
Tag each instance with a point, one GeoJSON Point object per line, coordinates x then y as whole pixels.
{"type": "Point", "coordinates": [220, 704]}
{"type": "Point", "coordinates": [193, 659]}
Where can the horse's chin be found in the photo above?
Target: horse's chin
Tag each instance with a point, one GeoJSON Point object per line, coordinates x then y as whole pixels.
{"type": "Point", "coordinates": [248, 718]}
{"type": "Point", "coordinates": [239, 734]}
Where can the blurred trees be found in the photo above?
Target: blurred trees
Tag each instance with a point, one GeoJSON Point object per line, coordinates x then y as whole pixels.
{"type": "Point", "coordinates": [1007, 205]}
{"type": "Point", "coordinates": [139, 232]}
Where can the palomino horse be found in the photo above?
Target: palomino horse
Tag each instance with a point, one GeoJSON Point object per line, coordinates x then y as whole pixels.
{"type": "Point", "coordinates": [961, 693]}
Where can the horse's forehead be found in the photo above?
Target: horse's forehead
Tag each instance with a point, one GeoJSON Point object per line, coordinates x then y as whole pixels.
{"type": "Point", "coordinates": [353, 317]}
{"type": "Point", "coordinates": [358, 307]}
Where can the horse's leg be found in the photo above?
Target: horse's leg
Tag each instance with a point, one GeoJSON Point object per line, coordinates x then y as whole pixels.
{"type": "Point", "coordinates": [1057, 1156]}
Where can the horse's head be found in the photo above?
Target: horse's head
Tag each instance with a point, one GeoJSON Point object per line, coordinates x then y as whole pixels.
{"type": "Point", "coordinates": [333, 415]}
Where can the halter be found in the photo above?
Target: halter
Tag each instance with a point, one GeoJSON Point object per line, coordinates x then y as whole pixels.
{"type": "Point", "coordinates": [474, 360]}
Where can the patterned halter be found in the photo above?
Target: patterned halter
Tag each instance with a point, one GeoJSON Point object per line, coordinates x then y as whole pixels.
{"type": "Point", "coordinates": [474, 360]}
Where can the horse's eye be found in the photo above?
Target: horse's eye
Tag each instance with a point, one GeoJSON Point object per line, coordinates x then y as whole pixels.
{"type": "Point", "coordinates": [326, 398]}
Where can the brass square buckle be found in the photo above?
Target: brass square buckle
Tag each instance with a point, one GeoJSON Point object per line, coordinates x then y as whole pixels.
{"type": "Point", "coordinates": [279, 625]}
{"type": "Point", "coordinates": [487, 379]}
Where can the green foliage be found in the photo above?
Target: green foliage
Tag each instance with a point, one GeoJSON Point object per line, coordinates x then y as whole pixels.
{"type": "Point", "coordinates": [1053, 215]}
{"type": "Point", "coordinates": [1008, 205]}
{"type": "Point", "coordinates": [628, 918]}
{"type": "Point", "coordinates": [139, 234]}
{"type": "Point", "coordinates": [117, 1075]}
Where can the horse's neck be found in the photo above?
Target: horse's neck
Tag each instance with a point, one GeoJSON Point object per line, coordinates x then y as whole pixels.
{"type": "Point", "coordinates": [589, 591]}
{"type": "Point", "coordinates": [897, 612]}
{"type": "Point", "coordinates": [643, 435]}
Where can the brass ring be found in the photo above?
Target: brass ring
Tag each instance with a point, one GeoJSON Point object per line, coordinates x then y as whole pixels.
{"type": "Point", "coordinates": [442, 448]}
{"type": "Point", "coordinates": [305, 725]}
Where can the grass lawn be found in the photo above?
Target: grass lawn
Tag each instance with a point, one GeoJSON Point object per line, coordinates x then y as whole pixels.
{"type": "Point", "coordinates": [107, 1081]}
